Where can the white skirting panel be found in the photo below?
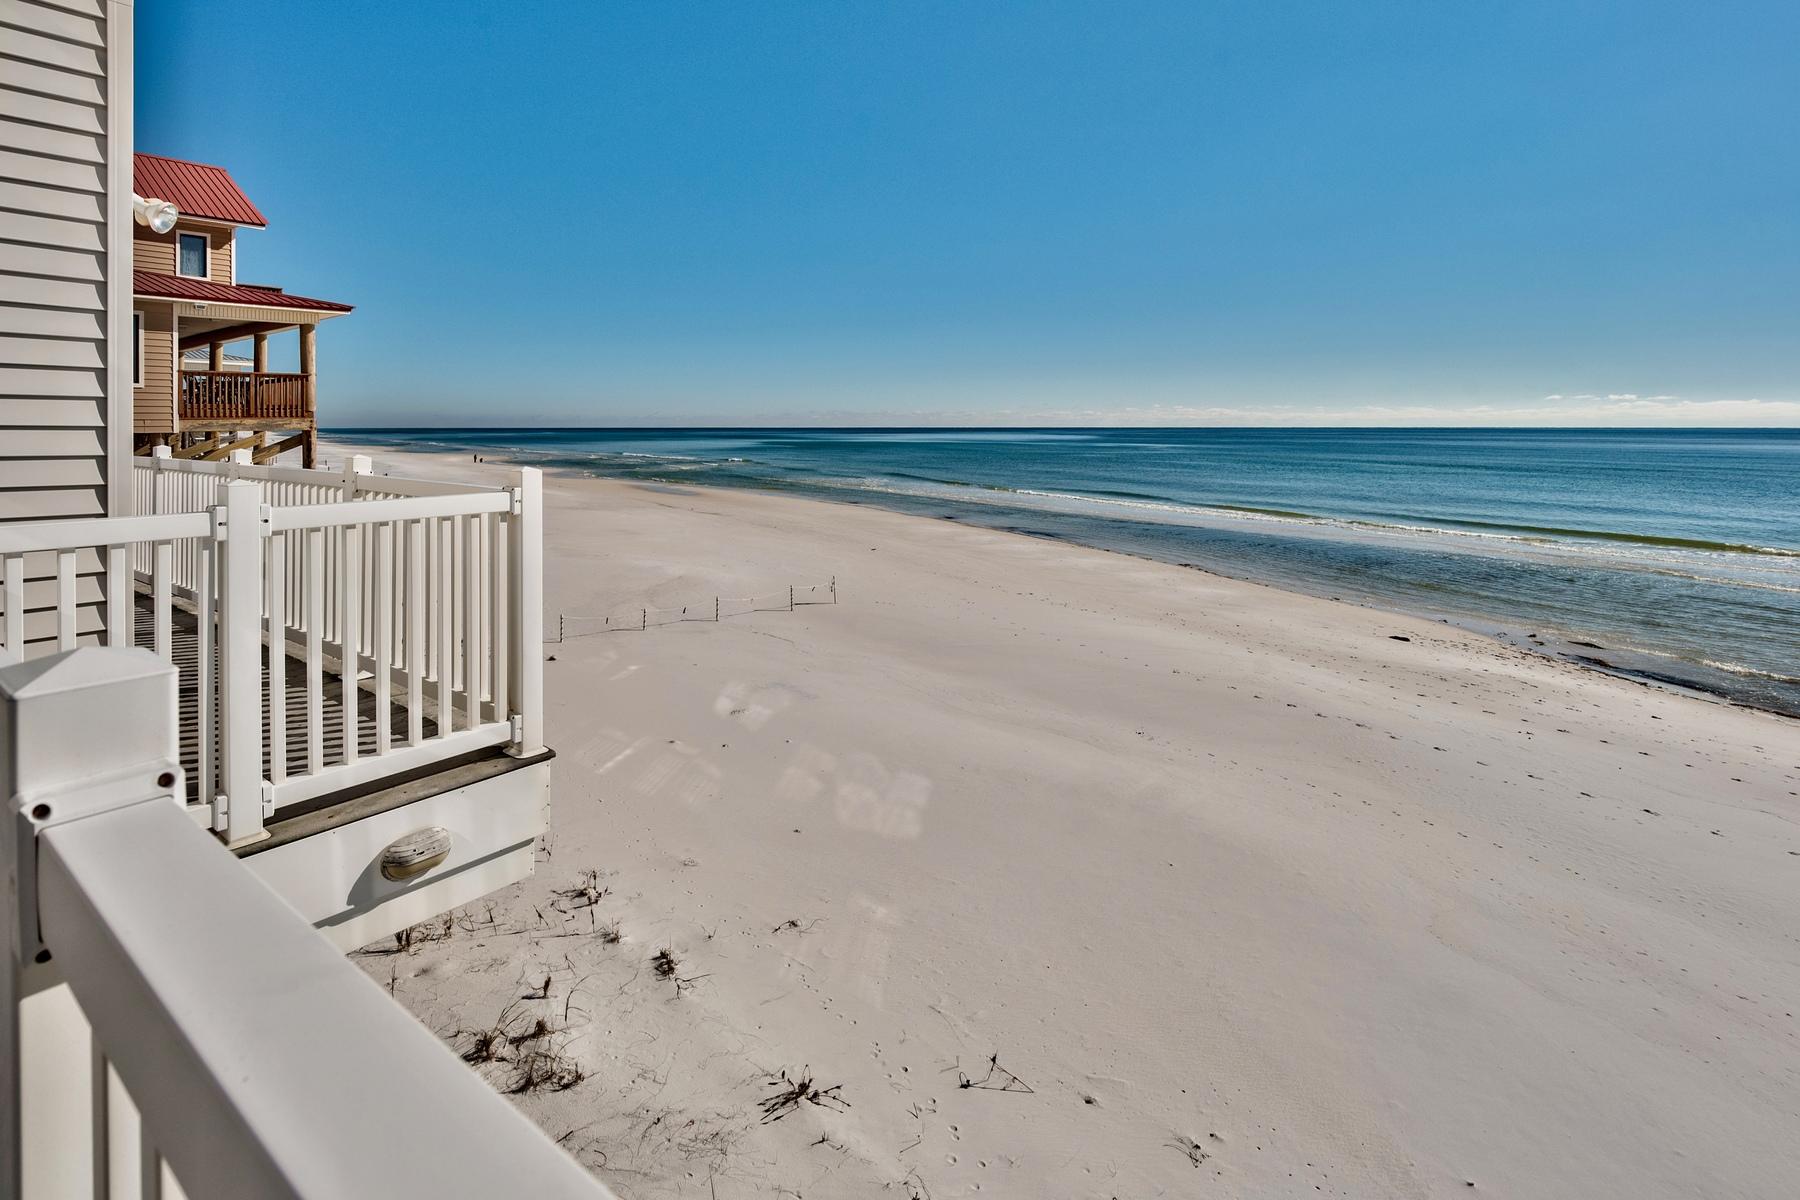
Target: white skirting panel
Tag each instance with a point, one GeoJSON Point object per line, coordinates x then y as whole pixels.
{"type": "Point", "coordinates": [333, 878]}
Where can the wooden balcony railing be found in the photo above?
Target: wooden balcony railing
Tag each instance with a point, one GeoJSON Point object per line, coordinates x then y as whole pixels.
{"type": "Point", "coordinates": [243, 396]}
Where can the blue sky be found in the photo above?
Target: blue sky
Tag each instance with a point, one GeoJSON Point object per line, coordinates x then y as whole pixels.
{"type": "Point", "coordinates": [598, 213]}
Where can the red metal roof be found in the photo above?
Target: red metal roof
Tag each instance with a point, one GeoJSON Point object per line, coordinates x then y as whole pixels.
{"type": "Point", "coordinates": [180, 287]}
{"type": "Point", "coordinates": [197, 189]}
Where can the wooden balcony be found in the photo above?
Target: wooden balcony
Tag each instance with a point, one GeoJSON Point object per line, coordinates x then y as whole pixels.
{"type": "Point", "coordinates": [244, 400]}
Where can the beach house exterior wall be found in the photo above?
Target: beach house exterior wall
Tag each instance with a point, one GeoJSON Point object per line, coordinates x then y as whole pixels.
{"type": "Point", "coordinates": [66, 365]}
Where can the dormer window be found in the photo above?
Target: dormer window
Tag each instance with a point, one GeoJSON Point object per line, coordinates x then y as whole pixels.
{"type": "Point", "coordinates": [190, 255]}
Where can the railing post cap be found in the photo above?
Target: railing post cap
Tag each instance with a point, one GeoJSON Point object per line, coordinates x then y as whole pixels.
{"type": "Point", "coordinates": [360, 464]}
{"type": "Point", "coordinates": [162, 452]}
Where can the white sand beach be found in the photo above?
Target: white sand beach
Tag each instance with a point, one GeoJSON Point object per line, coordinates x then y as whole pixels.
{"type": "Point", "coordinates": [1247, 893]}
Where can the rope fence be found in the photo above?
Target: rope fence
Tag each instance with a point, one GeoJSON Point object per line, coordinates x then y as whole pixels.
{"type": "Point", "coordinates": [644, 616]}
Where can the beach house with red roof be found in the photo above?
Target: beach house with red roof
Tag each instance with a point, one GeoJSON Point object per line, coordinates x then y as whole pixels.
{"type": "Point", "coordinates": [187, 296]}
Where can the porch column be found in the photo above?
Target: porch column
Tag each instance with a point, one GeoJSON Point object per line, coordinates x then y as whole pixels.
{"type": "Point", "coordinates": [261, 354]}
{"type": "Point", "coordinates": [215, 356]}
{"type": "Point", "coordinates": [309, 367]}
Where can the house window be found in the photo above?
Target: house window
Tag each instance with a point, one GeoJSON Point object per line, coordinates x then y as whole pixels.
{"type": "Point", "coordinates": [190, 257]}
{"type": "Point", "coordinates": [137, 349]}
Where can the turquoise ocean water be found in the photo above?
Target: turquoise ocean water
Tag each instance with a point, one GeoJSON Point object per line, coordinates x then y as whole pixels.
{"type": "Point", "coordinates": [1671, 555]}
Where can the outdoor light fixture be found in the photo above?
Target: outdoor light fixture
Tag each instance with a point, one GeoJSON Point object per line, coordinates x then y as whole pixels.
{"type": "Point", "coordinates": [159, 215]}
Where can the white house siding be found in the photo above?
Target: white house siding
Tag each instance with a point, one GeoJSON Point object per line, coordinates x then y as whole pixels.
{"type": "Point", "coordinates": [65, 268]}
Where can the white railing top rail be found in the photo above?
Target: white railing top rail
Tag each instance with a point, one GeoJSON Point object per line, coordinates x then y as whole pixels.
{"type": "Point", "coordinates": [368, 512]}
{"type": "Point", "coordinates": [81, 533]}
{"type": "Point", "coordinates": [261, 1062]}
{"type": "Point", "coordinates": [358, 470]}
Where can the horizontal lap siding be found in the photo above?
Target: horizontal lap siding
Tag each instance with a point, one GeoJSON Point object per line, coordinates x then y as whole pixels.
{"type": "Point", "coordinates": [156, 251]}
{"type": "Point", "coordinates": [153, 251]}
{"type": "Point", "coordinates": [153, 405]}
{"type": "Point", "coordinates": [222, 245]}
{"type": "Point", "coordinates": [60, 287]}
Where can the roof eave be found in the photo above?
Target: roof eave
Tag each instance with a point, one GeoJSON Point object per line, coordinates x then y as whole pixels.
{"type": "Point", "coordinates": [223, 221]}
{"type": "Point", "coordinates": [323, 313]}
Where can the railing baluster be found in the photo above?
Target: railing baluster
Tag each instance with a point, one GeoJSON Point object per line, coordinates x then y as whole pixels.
{"type": "Point", "coordinates": [15, 607]}
{"type": "Point", "coordinates": [474, 648]}
{"type": "Point", "coordinates": [118, 596]}
{"type": "Point", "coordinates": [278, 657]}
{"type": "Point", "coordinates": [161, 567]}
{"type": "Point", "coordinates": [490, 547]}
{"type": "Point", "coordinates": [333, 625]}
{"type": "Point", "coordinates": [453, 607]}
{"type": "Point", "coordinates": [415, 632]}
{"type": "Point", "coordinates": [430, 533]}
{"type": "Point", "coordinates": [66, 609]}
{"type": "Point", "coordinates": [498, 556]}
{"type": "Point", "coordinates": [384, 632]}
{"type": "Point", "coordinates": [445, 630]}
{"type": "Point", "coordinates": [350, 635]}
{"type": "Point", "coordinates": [370, 614]}
{"type": "Point", "coordinates": [206, 710]}
{"type": "Point", "coordinates": [315, 656]}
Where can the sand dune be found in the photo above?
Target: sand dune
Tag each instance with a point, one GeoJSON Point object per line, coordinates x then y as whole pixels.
{"type": "Point", "coordinates": [1201, 888]}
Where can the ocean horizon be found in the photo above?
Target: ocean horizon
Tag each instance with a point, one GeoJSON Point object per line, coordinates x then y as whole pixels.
{"type": "Point", "coordinates": [1669, 555]}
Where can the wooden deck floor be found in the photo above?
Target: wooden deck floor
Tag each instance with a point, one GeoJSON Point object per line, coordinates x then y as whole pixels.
{"type": "Point", "coordinates": [185, 641]}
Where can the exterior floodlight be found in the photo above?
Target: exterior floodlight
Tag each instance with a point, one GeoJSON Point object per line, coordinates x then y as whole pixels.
{"type": "Point", "coordinates": [159, 215]}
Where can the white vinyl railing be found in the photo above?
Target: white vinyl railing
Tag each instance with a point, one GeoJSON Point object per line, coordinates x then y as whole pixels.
{"type": "Point", "coordinates": [162, 483]}
{"type": "Point", "coordinates": [328, 642]}
{"type": "Point", "coordinates": [169, 1026]}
